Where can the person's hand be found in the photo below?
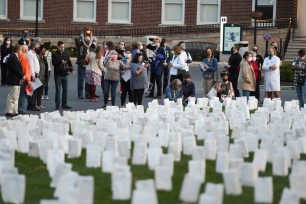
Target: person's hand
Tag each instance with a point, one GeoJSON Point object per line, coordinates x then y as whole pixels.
{"type": "Point", "coordinates": [170, 63]}
{"type": "Point", "coordinates": [33, 78]}
{"type": "Point", "coordinates": [273, 67]}
{"type": "Point", "coordinates": [165, 64]}
{"type": "Point", "coordinates": [24, 77]}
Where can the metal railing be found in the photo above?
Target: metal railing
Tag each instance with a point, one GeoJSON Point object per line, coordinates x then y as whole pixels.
{"type": "Point", "coordinates": [120, 31]}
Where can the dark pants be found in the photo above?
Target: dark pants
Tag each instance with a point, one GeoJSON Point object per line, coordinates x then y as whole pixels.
{"type": "Point", "coordinates": [108, 84]}
{"type": "Point", "coordinates": [40, 91]}
{"type": "Point", "coordinates": [61, 82]}
{"type": "Point", "coordinates": [166, 78]}
{"type": "Point", "coordinates": [32, 100]}
{"type": "Point", "coordinates": [156, 78]}
{"type": "Point", "coordinates": [138, 94]}
{"type": "Point", "coordinates": [102, 83]}
{"type": "Point", "coordinates": [3, 73]}
{"type": "Point", "coordinates": [234, 80]}
{"type": "Point", "coordinates": [125, 89]}
{"type": "Point", "coordinates": [256, 93]}
{"type": "Point", "coordinates": [92, 91]}
{"type": "Point", "coordinates": [22, 98]}
{"type": "Point", "coordinates": [46, 87]}
{"type": "Point", "coordinates": [81, 80]}
{"type": "Point", "coordinates": [172, 77]}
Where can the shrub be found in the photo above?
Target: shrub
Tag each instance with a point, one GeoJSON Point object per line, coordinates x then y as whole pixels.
{"type": "Point", "coordinates": [286, 72]}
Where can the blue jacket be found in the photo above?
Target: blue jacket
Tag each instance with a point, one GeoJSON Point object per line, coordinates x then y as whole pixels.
{"type": "Point", "coordinates": [170, 94]}
{"type": "Point", "coordinates": [157, 64]}
{"type": "Point", "coordinates": [212, 67]}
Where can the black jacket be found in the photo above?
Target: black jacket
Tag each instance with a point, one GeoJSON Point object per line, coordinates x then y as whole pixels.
{"type": "Point", "coordinates": [61, 69]}
{"type": "Point", "coordinates": [234, 61]}
{"type": "Point", "coordinates": [5, 51]}
{"type": "Point", "coordinates": [14, 71]}
{"type": "Point", "coordinates": [82, 50]}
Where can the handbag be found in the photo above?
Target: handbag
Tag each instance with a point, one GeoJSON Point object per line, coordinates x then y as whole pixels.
{"type": "Point", "coordinates": [300, 80]}
{"type": "Point", "coordinates": [212, 92]}
{"type": "Point", "coordinates": [181, 72]}
{"type": "Point", "coordinates": [87, 59]}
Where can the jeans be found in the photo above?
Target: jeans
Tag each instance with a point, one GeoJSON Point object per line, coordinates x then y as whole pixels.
{"type": "Point", "coordinates": [81, 79]}
{"type": "Point", "coordinates": [108, 84]}
{"type": "Point", "coordinates": [46, 87]}
{"type": "Point", "coordinates": [22, 98]}
{"type": "Point", "coordinates": [166, 78]}
{"type": "Point", "coordinates": [301, 93]}
{"type": "Point", "coordinates": [126, 89]}
{"type": "Point", "coordinates": [154, 77]}
{"type": "Point", "coordinates": [246, 93]}
{"type": "Point", "coordinates": [61, 82]}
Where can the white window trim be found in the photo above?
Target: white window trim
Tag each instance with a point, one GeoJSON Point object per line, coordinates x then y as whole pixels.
{"type": "Point", "coordinates": [274, 7]}
{"type": "Point", "coordinates": [75, 9]}
{"type": "Point", "coordinates": [163, 20]}
{"type": "Point", "coordinates": [115, 21]}
{"type": "Point", "coordinates": [40, 18]}
{"type": "Point", "coordinates": [199, 16]}
{"type": "Point", "coordinates": [6, 8]}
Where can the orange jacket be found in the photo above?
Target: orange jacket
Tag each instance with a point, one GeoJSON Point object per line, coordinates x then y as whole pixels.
{"type": "Point", "coordinates": [26, 70]}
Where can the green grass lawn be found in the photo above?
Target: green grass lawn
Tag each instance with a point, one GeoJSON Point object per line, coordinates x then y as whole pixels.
{"type": "Point", "coordinates": [38, 180]}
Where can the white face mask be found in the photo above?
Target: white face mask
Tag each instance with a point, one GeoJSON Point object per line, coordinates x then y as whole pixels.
{"type": "Point", "coordinates": [8, 42]}
{"type": "Point", "coordinates": [128, 56]}
{"type": "Point", "coordinates": [250, 59]}
{"type": "Point", "coordinates": [183, 46]}
{"type": "Point", "coordinates": [254, 59]}
{"type": "Point", "coordinates": [121, 46]}
{"type": "Point", "coordinates": [141, 47]}
{"type": "Point", "coordinates": [165, 44]}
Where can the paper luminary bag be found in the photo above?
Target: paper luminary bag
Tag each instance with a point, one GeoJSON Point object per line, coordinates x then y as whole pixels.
{"type": "Point", "coordinates": [289, 196]}
{"type": "Point", "coordinates": [223, 161]}
{"type": "Point", "coordinates": [297, 184]}
{"type": "Point", "coordinates": [175, 150]}
{"type": "Point", "coordinates": [33, 149]}
{"type": "Point", "coordinates": [231, 182]}
{"type": "Point", "coordinates": [74, 148]}
{"type": "Point", "coordinates": [222, 143]}
{"type": "Point", "coordinates": [215, 189]}
{"type": "Point", "coordinates": [210, 149]}
{"type": "Point", "coordinates": [260, 159]}
{"type": "Point", "coordinates": [13, 188]}
{"type": "Point", "coordinates": [93, 155]}
{"type": "Point", "coordinates": [45, 201]}
{"type": "Point", "coordinates": [54, 157]}
{"type": "Point", "coordinates": [107, 161]}
{"type": "Point", "coordinates": [198, 153]}
{"type": "Point", "coordinates": [235, 151]}
{"type": "Point", "coordinates": [189, 143]}
{"type": "Point", "coordinates": [154, 157]}
{"type": "Point", "coordinates": [65, 183]}
{"type": "Point", "coordinates": [279, 164]}
{"type": "Point", "coordinates": [145, 192]}
{"type": "Point", "coordinates": [248, 174]}
{"type": "Point", "coordinates": [163, 178]}
{"type": "Point", "coordinates": [197, 169]}
{"type": "Point", "coordinates": [60, 170]}
{"type": "Point", "coordinates": [121, 184]}
{"type": "Point", "coordinates": [85, 186]}
{"type": "Point", "coordinates": [208, 199]}
{"type": "Point", "coordinates": [190, 189]}
{"type": "Point", "coordinates": [263, 190]}
{"type": "Point", "coordinates": [139, 153]}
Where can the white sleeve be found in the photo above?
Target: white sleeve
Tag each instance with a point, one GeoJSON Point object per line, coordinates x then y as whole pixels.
{"type": "Point", "coordinates": [31, 62]}
{"type": "Point", "coordinates": [266, 64]}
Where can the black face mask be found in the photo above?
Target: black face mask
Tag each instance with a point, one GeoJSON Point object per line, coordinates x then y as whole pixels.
{"type": "Point", "coordinates": [37, 50]}
{"type": "Point", "coordinates": [224, 80]}
{"type": "Point", "coordinates": [254, 50]}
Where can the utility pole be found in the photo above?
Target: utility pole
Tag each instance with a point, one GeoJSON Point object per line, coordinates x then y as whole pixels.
{"type": "Point", "coordinates": [36, 22]}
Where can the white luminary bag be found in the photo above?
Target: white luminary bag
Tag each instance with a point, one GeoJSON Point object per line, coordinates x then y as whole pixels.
{"type": "Point", "coordinates": [198, 153]}
{"type": "Point", "coordinates": [231, 182]}
{"type": "Point", "coordinates": [13, 188]}
{"type": "Point", "coordinates": [289, 196]}
{"type": "Point", "coordinates": [297, 184]}
{"type": "Point", "coordinates": [222, 143]}
{"type": "Point", "coordinates": [60, 170]}
{"type": "Point", "coordinates": [74, 148]}
{"type": "Point", "coordinates": [189, 143]}
{"type": "Point", "coordinates": [223, 161]}
{"type": "Point", "coordinates": [145, 192]}
{"type": "Point", "coordinates": [260, 159]}
{"type": "Point", "coordinates": [215, 189]}
{"type": "Point", "coordinates": [54, 157]}
{"type": "Point", "coordinates": [210, 149]}
{"type": "Point", "coordinates": [121, 184]}
{"type": "Point", "coordinates": [163, 178]}
{"type": "Point", "coordinates": [190, 189]}
{"type": "Point", "coordinates": [263, 190]}
{"type": "Point", "coordinates": [139, 153]}
{"type": "Point", "coordinates": [248, 174]}
{"type": "Point", "coordinates": [154, 157]}
{"type": "Point", "coordinates": [279, 164]}
{"type": "Point", "coordinates": [208, 199]}
{"type": "Point", "coordinates": [93, 155]}
{"type": "Point", "coordinates": [175, 150]}
{"type": "Point", "coordinates": [85, 186]}
{"type": "Point", "coordinates": [197, 169]}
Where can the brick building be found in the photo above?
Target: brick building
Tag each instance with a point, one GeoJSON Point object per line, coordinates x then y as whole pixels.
{"type": "Point", "coordinates": [115, 16]}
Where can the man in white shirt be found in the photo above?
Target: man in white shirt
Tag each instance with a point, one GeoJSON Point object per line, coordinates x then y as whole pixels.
{"type": "Point", "coordinates": [185, 55]}
{"type": "Point", "coordinates": [35, 68]}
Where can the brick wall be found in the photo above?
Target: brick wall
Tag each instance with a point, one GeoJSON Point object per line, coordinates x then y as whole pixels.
{"type": "Point", "coordinates": [58, 14]}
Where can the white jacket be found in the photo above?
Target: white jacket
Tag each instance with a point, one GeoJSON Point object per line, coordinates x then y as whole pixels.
{"type": "Point", "coordinates": [185, 57]}
{"type": "Point", "coordinates": [272, 77]}
{"type": "Point", "coordinates": [34, 63]}
{"type": "Point", "coordinates": [178, 63]}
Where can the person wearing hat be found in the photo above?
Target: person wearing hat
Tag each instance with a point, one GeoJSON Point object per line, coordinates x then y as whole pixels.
{"type": "Point", "coordinates": [225, 87]}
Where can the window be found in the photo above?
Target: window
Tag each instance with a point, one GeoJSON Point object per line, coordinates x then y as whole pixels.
{"type": "Point", "coordinates": [28, 9]}
{"type": "Point", "coordinates": [266, 2]}
{"type": "Point", "coordinates": [84, 10]}
{"type": "Point", "coordinates": [119, 11]}
{"type": "Point", "coordinates": [3, 9]}
{"type": "Point", "coordinates": [173, 12]}
{"type": "Point", "coordinates": [208, 12]}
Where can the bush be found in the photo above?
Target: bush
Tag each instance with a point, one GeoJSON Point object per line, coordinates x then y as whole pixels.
{"type": "Point", "coordinates": [286, 72]}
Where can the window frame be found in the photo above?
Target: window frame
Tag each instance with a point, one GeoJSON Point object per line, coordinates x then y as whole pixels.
{"type": "Point", "coordinates": [165, 22]}
{"type": "Point", "coordinates": [199, 22]}
{"type": "Point", "coordinates": [22, 17]}
{"type": "Point", "coordinates": [119, 21]}
{"type": "Point", "coordinates": [75, 12]}
{"type": "Point", "coordinates": [5, 10]}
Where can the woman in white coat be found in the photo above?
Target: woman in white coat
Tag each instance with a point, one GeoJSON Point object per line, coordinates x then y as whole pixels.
{"type": "Point", "coordinates": [177, 65]}
{"type": "Point", "coordinates": [272, 74]}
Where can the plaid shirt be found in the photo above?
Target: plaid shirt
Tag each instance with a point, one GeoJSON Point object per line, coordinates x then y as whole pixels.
{"type": "Point", "coordinates": [298, 72]}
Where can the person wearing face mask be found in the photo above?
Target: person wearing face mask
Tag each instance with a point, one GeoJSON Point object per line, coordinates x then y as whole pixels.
{"type": "Point", "coordinates": [84, 45]}
{"type": "Point", "coordinates": [138, 47]}
{"type": "Point", "coordinates": [113, 66]}
{"type": "Point", "coordinates": [24, 40]}
{"type": "Point", "coordinates": [277, 53]}
{"type": "Point", "coordinates": [35, 68]}
{"type": "Point", "coordinates": [62, 67]}
{"type": "Point", "coordinates": [48, 56]}
{"type": "Point", "coordinates": [257, 71]}
{"type": "Point", "coordinates": [177, 65]}
{"type": "Point", "coordinates": [139, 78]}
{"type": "Point", "coordinates": [272, 74]}
{"type": "Point", "coordinates": [157, 67]}
{"type": "Point", "coordinates": [14, 78]}
{"type": "Point", "coordinates": [259, 58]}
{"type": "Point", "coordinates": [225, 87]}
{"type": "Point", "coordinates": [233, 68]}
{"type": "Point", "coordinates": [26, 70]}
{"type": "Point", "coordinates": [185, 55]}
{"type": "Point", "coordinates": [120, 50]}
{"type": "Point", "coordinates": [6, 50]}
{"type": "Point", "coordinates": [246, 79]}
{"type": "Point", "coordinates": [209, 67]}
{"type": "Point", "coordinates": [125, 79]}
{"type": "Point", "coordinates": [43, 74]}
{"type": "Point", "coordinates": [299, 68]}
{"type": "Point", "coordinates": [168, 59]}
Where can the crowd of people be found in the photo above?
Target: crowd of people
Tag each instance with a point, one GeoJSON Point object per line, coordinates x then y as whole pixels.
{"type": "Point", "coordinates": [30, 62]}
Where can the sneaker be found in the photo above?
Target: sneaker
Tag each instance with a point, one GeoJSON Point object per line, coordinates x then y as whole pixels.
{"type": "Point", "coordinates": [158, 96]}
{"type": "Point", "coordinates": [65, 106]}
{"type": "Point", "coordinates": [57, 107]}
{"type": "Point", "coordinates": [109, 98]}
{"type": "Point", "coordinates": [41, 107]}
{"type": "Point", "coordinates": [35, 108]}
{"type": "Point", "coordinates": [46, 97]}
{"type": "Point", "coordinates": [42, 97]}
{"type": "Point", "coordinates": [103, 107]}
